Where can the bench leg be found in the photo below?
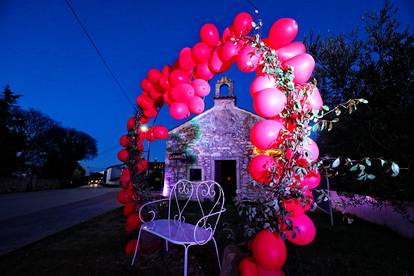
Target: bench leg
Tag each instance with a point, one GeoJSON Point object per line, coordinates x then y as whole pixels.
{"type": "Point", "coordinates": [136, 247]}
{"type": "Point", "coordinates": [185, 260]}
{"type": "Point", "coordinates": [217, 253]}
{"type": "Point", "coordinates": [166, 245]}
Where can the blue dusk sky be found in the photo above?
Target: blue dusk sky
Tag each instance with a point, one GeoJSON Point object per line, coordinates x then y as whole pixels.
{"type": "Point", "coordinates": [47, 58]}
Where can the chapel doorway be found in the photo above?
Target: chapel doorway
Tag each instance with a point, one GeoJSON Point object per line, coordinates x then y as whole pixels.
{"type": "Point", "coordinates": [226, 176]}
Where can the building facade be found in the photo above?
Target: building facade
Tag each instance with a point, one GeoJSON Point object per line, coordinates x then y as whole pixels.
{"type": "Point", "coordinates": [214, 145]}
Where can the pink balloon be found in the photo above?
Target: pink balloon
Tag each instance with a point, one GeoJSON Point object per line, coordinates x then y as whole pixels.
{"type": "Point", "coordinates": [185, 60]}
{"type": "Point", "coordinates": [261, 83]}
{"type": "Point", "coordinates": [315, 99]}
{"type": "Point", "coordinates": [196, 105]}
{"type": "Point", "coordinates": [201, 87]}
{"type": "Point", "coordinates": [303, 65]}
{"type": "Point", "coordinates": [260, 168]}
{"type": "Point", "coordinates": [282, 32]}
{"type": "Point", "coordinates": [215, 64]}
{"type": "Point", "coordinates": [242, 23]}
{"type": "Point", "coordinates": [179, 111]}
{"type": "Point", "coordinates": [312, 180]}
{"type": "Point", "coordinates": [200, 52]}
{"type": "Point", "coordinates": [229, 51]}
{"type": "Point", "coordinates": [291, 50]}
{"type": "Point", "coordinates": [269, 102]}
{"type": "Point", "coordinates": [182, 92]}
{"type": "Point", "coordinates": [304, 229]}
{"type": "Point", "coordinates": [203, 72]}
{"type": "Point", "coordinates": [248, 59]}
{"type": "Point", "coordinates": [209, 34]}
{"type": "Point", "coordinates": [264, 134]}
{"type": "Point", "coordinates": [269, 250]}
{"type": "Point", "coordinates": [154, 75]}
{"type": "Point", "coordinates": [178, 76]}
{"type": "Point", "coordinates": [311, 150]}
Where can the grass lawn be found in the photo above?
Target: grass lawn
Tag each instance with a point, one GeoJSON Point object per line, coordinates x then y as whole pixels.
{"type": "Point", "coordinates": [96, 248]}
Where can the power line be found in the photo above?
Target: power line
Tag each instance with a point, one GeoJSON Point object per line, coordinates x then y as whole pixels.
{"type": "Point", "coordinates": [98, 52]}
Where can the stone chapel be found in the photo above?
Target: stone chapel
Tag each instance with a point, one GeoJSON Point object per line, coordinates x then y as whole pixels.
{"type": "Point", "coordinates": [215, 145]}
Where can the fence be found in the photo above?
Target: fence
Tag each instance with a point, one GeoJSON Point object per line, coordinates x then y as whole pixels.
{"type": "Point", "coordinates": [27, 184]}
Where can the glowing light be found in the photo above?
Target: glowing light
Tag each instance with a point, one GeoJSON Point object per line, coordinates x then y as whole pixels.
{"type": "Point", "coordinates": [144, 128]}
{"type": "Point", "coordinates": [275, 153]}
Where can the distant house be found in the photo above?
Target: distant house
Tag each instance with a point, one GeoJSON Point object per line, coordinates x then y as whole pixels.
{"type": "Point", "coordinates": [213, 145]}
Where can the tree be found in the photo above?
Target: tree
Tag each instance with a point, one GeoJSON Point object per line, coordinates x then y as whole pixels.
{"type": "Point", "coordinates": [11, 140]}
{"type": "Point", "coordinates": [377, 66]}
{"type": "Point", "coordinates": [65, 148]}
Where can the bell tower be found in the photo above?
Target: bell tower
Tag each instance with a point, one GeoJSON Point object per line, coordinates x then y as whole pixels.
{"type": "Point", "coordinates": [220, 97]}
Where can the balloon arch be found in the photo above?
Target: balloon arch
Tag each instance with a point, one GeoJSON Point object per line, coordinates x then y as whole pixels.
{"type": "Point", "coordinates": [286, 161]}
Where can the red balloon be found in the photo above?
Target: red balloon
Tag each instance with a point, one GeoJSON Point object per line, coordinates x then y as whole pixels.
{"type": "Point", "coordinates": [167, 98]}
{"type": "Point", "coordinates": [123, 155]}
{"type": "Point", "coordinates": [242, 23]}
{"type": "Point", "coordinates": [304, 229]}
{"type": "Point", "coordinates": [227, 34]}
{"type": "Point", "coordinates": [269, 102]}
{"type": "Point", "coordinates": [291, 50]}
{"type": "Point", "coordinates": [201, 87]}
{"type": "Point", "coordinates": [179, 110]}
{"type": "Point", "coordinates": [262, 82]}
{"type": "Point", "coordinates": [155, 94]}
{"type": "Point", "coordinates": [303, 65]}
{"type": "Point", "coordinates": [269, 250]}
{"type": "Point", "coordinates": [260, 168]}
{"type": "Point", "coordinates": [144, 120]}
{"type": "Point", "coordinates": [144, 101]}
{"type": "Point", "coordinates": [124, 196]}
{"type": "Point", "coordinates": [142, 166]}
{"type": "Point", "coordinates": [209, 34]}
{"type": "Point", "coordinates": [203, 72]}
{"type": "Point", "coordinates": [261, 271]}
{"type": "Point", "coordinates": [282, 32]}
{"type": "Point", "coordinates": [131, 123]}
{"type": "Point", "coordinates": [182, 92]}
{"type": "Point", "coordinates": [124, 141]}
{"type": "Point", "coordinates": [146, 85]}
{"type": "Point", "coordinates": [130, 247]}
{"type": "Point", "coordinates": [229, 51]}
{"type": "Point", "coordinates": [154, 75]}
{"type": "Point", "coordinates": [215, 64]}
{"type": "Point", "coordinates": [150, 112]}
{"type": "Point", "coordinates": [128, 209]}
{"type": "Point", "coordinates": [293, 206]}
{"type": "Point", "coordinates": [161, 132]}
{"type": "Point", "coordinates": [177, 77]}
{"type": "Point", "coordinates": [311, 180]}
{"type": "Point", "coordinates": [248, 59]}
{"type": "Point", "coordinates": [133, 223]}
{"type": "Point", "coordinates": [264, 134]}
{"type": "Point", "coordinates": [196, 105]}
{"type": "Point", "coordinates": [247, 267]}
{"type": "Point", "coordinates": [185, 60]}
{"type": "Point", "coordinates": [200, 52]}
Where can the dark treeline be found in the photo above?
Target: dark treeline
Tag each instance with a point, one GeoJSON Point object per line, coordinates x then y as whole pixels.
{"type": "Point", "coordinates": [31, 143]}
{"type": "Point", "coordinates": [375, 62]}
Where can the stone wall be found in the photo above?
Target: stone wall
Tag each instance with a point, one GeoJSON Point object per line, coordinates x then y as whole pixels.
{"type": "Point", "coordinates": [26, 184]}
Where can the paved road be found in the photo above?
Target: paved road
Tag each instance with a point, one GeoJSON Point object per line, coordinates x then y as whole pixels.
{"type": "Point", "coordinates": [28, 217]}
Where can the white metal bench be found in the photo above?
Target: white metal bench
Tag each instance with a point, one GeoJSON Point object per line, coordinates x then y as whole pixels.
{"type": "Point", "coordinates": [175, 229]}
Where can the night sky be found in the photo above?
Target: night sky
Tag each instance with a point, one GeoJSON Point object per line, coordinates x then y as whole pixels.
{"type": "Point", "coordinates": [46, 57]}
